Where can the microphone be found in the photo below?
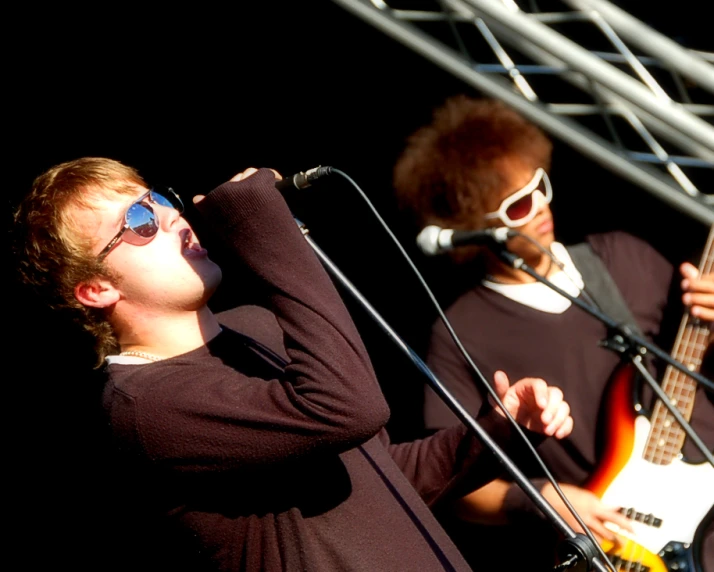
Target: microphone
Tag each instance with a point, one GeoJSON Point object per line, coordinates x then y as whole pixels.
{"type": "Point", "coordinates": [435, 240]}
{"type": "Point", "coordinates": [302, 180]}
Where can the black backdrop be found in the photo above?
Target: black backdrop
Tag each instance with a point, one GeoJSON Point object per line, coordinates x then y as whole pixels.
{"type": "Point", "coordinates": [192, 98]}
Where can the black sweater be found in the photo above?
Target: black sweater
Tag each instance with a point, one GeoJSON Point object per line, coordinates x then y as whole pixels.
{"type": "Point", "coordinates": [255, 464]}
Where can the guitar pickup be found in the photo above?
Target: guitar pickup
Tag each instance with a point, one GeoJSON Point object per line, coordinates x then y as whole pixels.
{"type": "Point", "coordinates": [622, 564]}
{"type": "Point", "coordinates": [648, 519]}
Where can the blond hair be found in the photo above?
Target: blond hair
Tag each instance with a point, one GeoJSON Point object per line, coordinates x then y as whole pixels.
{"type": "Point", "coordinates": [53, 254]}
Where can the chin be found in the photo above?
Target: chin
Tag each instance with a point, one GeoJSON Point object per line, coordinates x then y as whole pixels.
{"type": "Point", "coordinates": [210, 276]}
{"type": "Point", "coordinates": [547, 239]}
{"type": "Point", "coordinates": [212, 279]}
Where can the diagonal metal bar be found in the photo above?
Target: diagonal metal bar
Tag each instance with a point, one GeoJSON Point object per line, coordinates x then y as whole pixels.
{"type": "Point", "coordinates": [565, 129]}
{"type": "Point", "coordinates": [687, 62]}
{"type": "Point", "coordinates": [617, 103]}
{"type": "Point", "coordinates": [593, 67]}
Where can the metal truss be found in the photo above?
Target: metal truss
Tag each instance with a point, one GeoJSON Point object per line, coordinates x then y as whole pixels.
{"type": "Point", "coordinates": [587, 72]}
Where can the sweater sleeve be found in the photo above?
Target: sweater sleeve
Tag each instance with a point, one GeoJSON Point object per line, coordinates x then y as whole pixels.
{"type": "Point", "coordinates": [202, 416]}
{"type": "Point", "coordinates": [454, 461]}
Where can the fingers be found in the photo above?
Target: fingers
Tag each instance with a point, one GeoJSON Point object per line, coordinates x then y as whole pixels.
{"type": "Point", "coordinates": [556, 417]}
{"type": "Point", "coordinates": [583, 502]}
{"type": "Point", "coordinates": [532, 392]}
{"type": "Point", "coordinates": [249, 171]}
{"type": "Point", "coordinates": [604, 521]}
{"type": "Point", "coordinates": [551, 400]}
{"type": "Point", "coordinates": [542, 395]}
{"type": "Point", "coordinates": [565, 429]}
{"type": "Point", "coordinates": [614, 519]}
{"type": "Point", "coordinates": [239, 177]}
{"type": "Point", "coordinates": [688, 270]}
{"type": "Point", "coordinates": [535, 405]}
{"type": "Point", "coordinates": [501, 384]}
{"type": "Point", "coordinates": [244, 174]}
{"type": "Point", "coordinates": [538, 401]}
{"type": "Point", "coordinates": [599, 529]}
{"type": "Point", "coordinates": [698, 292]}
{"type": "Point", "coordinates": [526, 393]}
{"type": "Point", "coordinates": [700, 305]}
{"type": "Point", "coordinates": [562, 423]}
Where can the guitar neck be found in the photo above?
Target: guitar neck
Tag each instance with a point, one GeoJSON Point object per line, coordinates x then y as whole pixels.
{"type": "Point", "coordinates": [666, 435]}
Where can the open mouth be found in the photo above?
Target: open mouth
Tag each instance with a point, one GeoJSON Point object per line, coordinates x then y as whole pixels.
{"type": "Point", "coordinates": [189, 245]}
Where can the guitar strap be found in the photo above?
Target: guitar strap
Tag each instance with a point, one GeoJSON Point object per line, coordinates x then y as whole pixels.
{"type": "Point", "coordinates": [601, 287]}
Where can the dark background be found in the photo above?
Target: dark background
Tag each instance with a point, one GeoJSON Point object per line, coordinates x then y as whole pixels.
{"type": "Point", "coordinates": [192, 97]}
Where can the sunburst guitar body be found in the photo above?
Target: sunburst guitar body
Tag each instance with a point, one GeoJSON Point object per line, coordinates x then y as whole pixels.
{"type": "Point", "coordinates": [666, 502]}
{"type": "Point", "coordinates": [642, 469]}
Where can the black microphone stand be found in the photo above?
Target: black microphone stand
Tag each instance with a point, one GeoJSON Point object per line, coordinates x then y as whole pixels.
{"type": "Point", "coordinates": [622, 340]}
{"type": "Point", "coordinates": [577, 552]}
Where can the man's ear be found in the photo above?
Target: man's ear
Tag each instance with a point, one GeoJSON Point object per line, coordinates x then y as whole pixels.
{"type": "Point", "coordinates": [96, 293]}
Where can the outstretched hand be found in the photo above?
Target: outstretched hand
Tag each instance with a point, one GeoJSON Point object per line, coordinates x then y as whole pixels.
{"type": "Point", "coordinates": [535, 405]}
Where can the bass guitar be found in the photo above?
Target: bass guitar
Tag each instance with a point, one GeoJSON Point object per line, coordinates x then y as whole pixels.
{"type": "Point", "coordinates": [642, 469]}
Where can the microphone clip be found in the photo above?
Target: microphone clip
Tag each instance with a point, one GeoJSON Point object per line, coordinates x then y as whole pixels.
{"type": "Point", "coordinates": [303, 179]}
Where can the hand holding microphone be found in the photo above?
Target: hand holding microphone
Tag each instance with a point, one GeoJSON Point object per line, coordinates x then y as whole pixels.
{"type": "Point", "coordinates": [299, 181]}
{"type": "Point", "coordinates": [302, 180]}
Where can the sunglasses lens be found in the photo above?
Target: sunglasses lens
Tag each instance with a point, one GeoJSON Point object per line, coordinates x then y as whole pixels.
{"type": "Point", "coordinates": [521, 208]}
{"type": "Point", "coordinates": [167, 198]}
{"type": "Point", "coordinates": [141, 220]}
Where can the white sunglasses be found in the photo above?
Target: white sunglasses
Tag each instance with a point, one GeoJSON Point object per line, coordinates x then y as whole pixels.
{"type": "Point", "coordinates": [522, 206]}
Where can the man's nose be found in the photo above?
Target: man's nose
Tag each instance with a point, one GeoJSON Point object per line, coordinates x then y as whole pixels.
{"type": "Point", "coordinates": [168, 216]}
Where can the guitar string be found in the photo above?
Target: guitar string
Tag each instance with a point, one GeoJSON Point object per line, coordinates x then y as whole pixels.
{"type": "Point", "coordinates": [627, 556]}
{"type": "Point", "coordinates": [666, 432]}
{"type": "Point", "coordinates": [655, 441]}
{"type": "Point", "coordinates": [695, 346]}
{"type": "Point", "coordinates": [669, 434]}
{"type": "Point", "coordinates": [636, 561]}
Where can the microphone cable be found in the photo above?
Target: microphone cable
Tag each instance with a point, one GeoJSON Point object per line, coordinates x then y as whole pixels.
{"type": "Point", "coordinates": [554, 260]}
{"type": "Point", "coordinates": [473, 366]}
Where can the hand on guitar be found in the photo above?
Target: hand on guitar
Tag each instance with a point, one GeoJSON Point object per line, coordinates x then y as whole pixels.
{"type": "Point", "coordinates": [698, 292]}
{"type": "Point", "coordinates": [535, 405]}
{"type": "Point", "coordinates": [591, 509]}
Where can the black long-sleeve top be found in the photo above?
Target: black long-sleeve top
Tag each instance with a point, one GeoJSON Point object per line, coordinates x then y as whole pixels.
{"type": "Point", "coordinates": [258, 464]}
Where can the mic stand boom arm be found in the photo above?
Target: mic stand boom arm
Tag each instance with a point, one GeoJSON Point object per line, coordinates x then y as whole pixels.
{"type": "Point", "coordinates": [579, 550]}
{"type": "Point", "coordinates": [625, 342]}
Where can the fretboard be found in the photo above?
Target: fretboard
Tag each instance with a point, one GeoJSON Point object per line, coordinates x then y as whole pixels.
{"type": "Point", "coordinates": [666, 435]}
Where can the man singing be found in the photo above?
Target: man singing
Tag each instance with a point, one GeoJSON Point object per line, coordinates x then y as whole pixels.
{"type": "Point", "coordinates": [248, 461]}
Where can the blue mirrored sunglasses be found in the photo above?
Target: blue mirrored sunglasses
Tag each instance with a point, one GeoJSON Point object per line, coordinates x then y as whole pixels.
{"type": "Point", "coordinates": [140, 221]}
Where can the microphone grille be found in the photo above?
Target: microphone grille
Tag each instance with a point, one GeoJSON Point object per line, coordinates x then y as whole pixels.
{"type": "Point", "coordinates": [428, 240]}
